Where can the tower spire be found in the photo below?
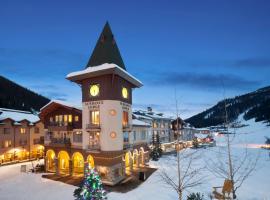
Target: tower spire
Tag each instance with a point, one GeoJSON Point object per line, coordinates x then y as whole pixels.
{"type": "Point", "coordinates": [106, 50]}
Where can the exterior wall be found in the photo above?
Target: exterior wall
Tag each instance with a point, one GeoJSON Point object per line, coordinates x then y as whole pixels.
{"type": "Point", "coordinates": [108, 123]}
{"type": "Point", "coordinates": [110, 88]}
{"type": "Point", "coordinates": [37, 140]}
{"type": "Point", "coordinates": [22, 145]}
{"type": "Point", "coordinates": [162, 127]}
{"type": "Point", "coordinates": [4, 137]}
{"type": "Point", "coordinates": [138, 131]}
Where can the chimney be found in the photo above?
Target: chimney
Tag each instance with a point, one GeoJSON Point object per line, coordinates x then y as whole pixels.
{"type": "Point", "coordinates": [149, 109]}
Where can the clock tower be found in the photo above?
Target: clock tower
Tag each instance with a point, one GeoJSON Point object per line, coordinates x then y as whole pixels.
{"type": "Point", "coordinates": [106, 101]}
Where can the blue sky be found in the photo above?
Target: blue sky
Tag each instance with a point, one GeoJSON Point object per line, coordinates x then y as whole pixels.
{"type": "Point", "coordinates": [190, 48]}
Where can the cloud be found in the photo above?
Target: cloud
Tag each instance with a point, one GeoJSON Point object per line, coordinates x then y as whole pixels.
{"type": "Point", "coordinates": [252, 63]}
{"type": "Point", "coordinates": [202, 81]}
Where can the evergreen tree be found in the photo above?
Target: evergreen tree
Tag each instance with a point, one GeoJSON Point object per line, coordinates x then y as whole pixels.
{"type": "Point", "coordinates": [91, 187]}
{"type": "Point", "coordinates": [195, 196]}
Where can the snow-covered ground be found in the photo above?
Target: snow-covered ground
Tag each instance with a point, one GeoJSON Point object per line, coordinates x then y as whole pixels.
{"type": "Point", "coordinates": [27, 186]}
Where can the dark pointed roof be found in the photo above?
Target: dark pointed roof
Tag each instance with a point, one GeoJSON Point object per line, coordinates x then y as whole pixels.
{"type": "Point", "coordinates": [106, 50]}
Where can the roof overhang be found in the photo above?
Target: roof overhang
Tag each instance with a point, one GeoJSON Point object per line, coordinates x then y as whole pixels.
{"type": "Point", "coordinates": [100, 70]}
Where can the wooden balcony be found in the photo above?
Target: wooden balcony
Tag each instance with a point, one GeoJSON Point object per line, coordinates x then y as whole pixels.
{"type": "Point", "coordinates": [58, 142]}
{"type": "Point", "coordinates": [93, 147]}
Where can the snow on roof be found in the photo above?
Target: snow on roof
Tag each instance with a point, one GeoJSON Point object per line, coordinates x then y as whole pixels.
{"type": "Point", "coordinates": [105, 68]}
{"type": "Point", "coordinates": [62, 103]}
{"type": "Point", "coordinates": [152, 115]}
{"type": "Point", "coordinates": [136, 122]}
{"type": "Point", "coordinates": [18, 115]}
{"type": "Point", "coordinates": [142, 117]}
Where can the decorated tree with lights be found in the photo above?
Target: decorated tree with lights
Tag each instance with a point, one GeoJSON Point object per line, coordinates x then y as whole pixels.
{"type": "Point", "coordinates": [91, 187]}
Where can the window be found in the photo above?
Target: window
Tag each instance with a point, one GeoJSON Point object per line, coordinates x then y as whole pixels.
{"type": "Point", "coordinates": [60, 118]}
{"type": "Point", "coordinates": [51, 119]}
{"type": "Point", "coordinates": [36, 130]}
{"type": "Point", "coordinates": [57, 118]}
{"type": "Point", "coordinates": [126, 137]}
{"type": "Point", "coordinates": [76, 118]}
{"type": "Point", "coordinates": [77, 136]}
{"type": "Point", "coordinates": [154, 125]}
{"type": "Point", "coordinates": [22, 130]}
{"type": "Point", "coordinates": [69, 118]}
{"type": "Point", "coordinates": [125, 119]}
{"type": "Point", "coordinates": [94, 117]}
{"type": "Point", "coordinates": [6, 130]}
{"type": "Point", "coordinates": [65, 118]}
{"type": "Point", "coordinates": [7, 143]}
{"type": "Point", "coordinates": [134, 135]}
{"type": "Point", "coordinates": [143, 135]}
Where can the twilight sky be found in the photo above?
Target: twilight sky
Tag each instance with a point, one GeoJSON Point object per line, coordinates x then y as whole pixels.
{"type": "Point", "coordinates": [190, 48]}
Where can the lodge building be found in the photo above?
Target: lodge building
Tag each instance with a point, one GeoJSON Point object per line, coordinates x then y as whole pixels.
{"type": "Point", "coordinates": [99, 133]}
{"type": "Point", "coordinates": [21, 136]}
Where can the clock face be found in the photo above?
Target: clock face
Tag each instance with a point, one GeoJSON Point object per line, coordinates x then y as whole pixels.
{"type": "Point", "coordinates": [94, 90]}
{"type": "Point", "coordinates": [125, 93]}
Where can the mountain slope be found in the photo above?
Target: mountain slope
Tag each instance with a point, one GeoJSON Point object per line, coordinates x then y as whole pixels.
{"type": "Point", "coordinates": [14, 96]}
{"type": "Point", "coordinates": [254, 105]}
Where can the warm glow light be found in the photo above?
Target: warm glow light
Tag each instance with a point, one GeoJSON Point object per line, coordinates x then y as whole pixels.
{"type": "Point", "coordinates": [113, 134]}
{"type": "Point", "coordinates": [125, 92]}
{"type": "Point", "coordinates": [94, 90]}
{"type": "Point", "coordinates": [112, 112]}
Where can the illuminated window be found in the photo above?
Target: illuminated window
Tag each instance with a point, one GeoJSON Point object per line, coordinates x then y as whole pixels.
{"type": "Point", "coordinates": [56, 118]}
{"type": "Point", "coordinates": [70, 118]}
{"type": "Point", "coordinates": [65, 118]}
{"type": "Point", "coordinates": [76, 118]}
{"type": "Point", "coordinates": [60, 118]}
{"type": "Point", "coordinates": [125, 119]}
{"type": "Point", "coordinates": [51, 119]}
{"type": "Point", "coordinates": [22, 130]}
{"type": "Point", "coordinates": [7, 143]}
{"type": "Point", "coordinates": [94, 117]}
{"type": "Point", "coordinates": [77, 136]}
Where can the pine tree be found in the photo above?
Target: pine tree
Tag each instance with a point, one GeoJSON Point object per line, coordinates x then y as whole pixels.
{"type": "Point", "coordinates": [195, 196]}
{"type": "Point", "coordinates": [91, 187]}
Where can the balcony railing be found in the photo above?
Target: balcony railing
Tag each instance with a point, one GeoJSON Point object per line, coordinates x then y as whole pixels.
{"type": "Point", "coordinates": [64, 126]}
{"type": "Point", "coordinates": [59, 142]}
{"type": "Point", "coordinates": [127, 126]}
{"type": "Point", "coordinates": [92, 126]}
{"type": "Point", "coordinates": [60, 124]}
{"type": "Point", "coordinates": [94, 146]}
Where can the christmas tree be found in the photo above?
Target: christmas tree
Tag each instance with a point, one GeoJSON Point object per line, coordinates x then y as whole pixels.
{"type": "Point", "coordinates": [91, 187]}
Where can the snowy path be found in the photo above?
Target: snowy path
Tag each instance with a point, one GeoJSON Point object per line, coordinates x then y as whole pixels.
{"type": "Point", "coordinates": [23, 186]}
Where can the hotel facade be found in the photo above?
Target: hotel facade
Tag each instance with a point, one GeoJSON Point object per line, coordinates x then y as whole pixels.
{"type": "Point", "coordinates": [99, 133]}
{"type": "Point", "coordinates": [21, 136]}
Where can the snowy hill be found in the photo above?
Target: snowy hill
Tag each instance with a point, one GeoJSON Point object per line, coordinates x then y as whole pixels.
{"type": "Point", "coordinates": [253, 105]}
{"type": "Point", "coordinates": [14, 96]}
